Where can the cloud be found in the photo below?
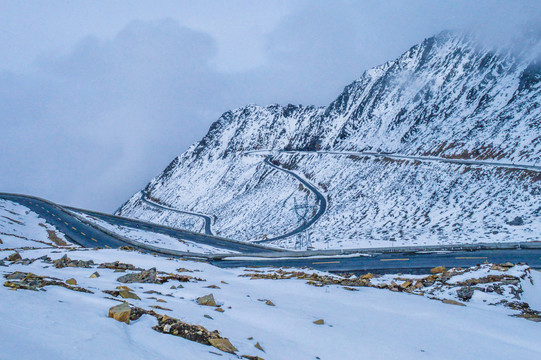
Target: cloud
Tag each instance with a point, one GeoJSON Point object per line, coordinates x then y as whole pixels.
{"type": "Point", "coordinates": [92, 127]}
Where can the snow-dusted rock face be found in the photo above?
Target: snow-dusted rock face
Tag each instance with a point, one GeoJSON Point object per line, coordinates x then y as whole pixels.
{"type": "Point", "coordinates": [447, 97]}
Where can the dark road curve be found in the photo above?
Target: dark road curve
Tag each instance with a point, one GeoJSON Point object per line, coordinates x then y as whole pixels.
{"type": "Point", "coordinates": [322, 205]}
{"type": "Point", "coordinates": [195, 237]}
{"type": "Point", "coordinates": [87, 235]}
{"type": "Point", "coordinates": [207, 219]}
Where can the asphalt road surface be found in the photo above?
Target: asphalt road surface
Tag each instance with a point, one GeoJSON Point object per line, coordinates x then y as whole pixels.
{"type": "Point", "coordinates": [384, 262]}
{"type": "Point", "coordinates": [221, 243]}
{"type": "Point", "coordinates": [88, 236]}
{"type": "Point", "coordinates": [400, 262]}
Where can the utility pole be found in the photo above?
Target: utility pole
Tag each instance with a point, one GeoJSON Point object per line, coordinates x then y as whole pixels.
{"type": "Point", "coordinates": [301, 210]}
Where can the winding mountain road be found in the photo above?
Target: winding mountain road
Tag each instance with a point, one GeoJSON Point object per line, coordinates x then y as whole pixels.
{"type": "Point", "coordinates": [87, 234]}
{"type": "Point", "coordinates": [207, 219]}
{"type": "Point", "coordinates": [321, 204]}
{"type": "Point", "coordinates": [402, 260]}
{"type": "Point", "coordinates": [497, 164]}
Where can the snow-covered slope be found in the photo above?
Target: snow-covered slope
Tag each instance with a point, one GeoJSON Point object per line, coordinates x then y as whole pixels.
{"type": "Point", "coordinates": [447, 97]}
{"type": "Point", "coordinates": [271, 319]}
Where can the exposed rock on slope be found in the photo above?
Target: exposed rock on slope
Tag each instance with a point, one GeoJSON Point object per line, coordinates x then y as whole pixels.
{"type": "Point", "coordinates": [447, 97]}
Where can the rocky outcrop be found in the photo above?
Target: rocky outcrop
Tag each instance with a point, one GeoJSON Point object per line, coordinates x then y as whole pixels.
{"type": "Point", "coordinates": [505, 286]}
{"type": "Point", "coordinates": [29, 281]}
{"type": "Point", "coordinates": [65, 261]}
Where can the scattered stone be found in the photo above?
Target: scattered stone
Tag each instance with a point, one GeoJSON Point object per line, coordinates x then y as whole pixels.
{"type": "Point", "coordinates": [319, 322]}
{"type": "Point", "coordinates": [197, 333]}
{"type": "Point", "coordinates": [270, 303]}
{"type": "Point", "coordinates": [250, 357]}
{"type": "Point", "coordinates": [120, 313]}
{"type": "Point", "coordinates": [173, 287]}
{"type": "Point", "coordinates": [128, 295]}
{"type": "Point", "coordinates": [367, 276]}
{"type": "Point", "coordinates": [436, 286]}
{"type": "Point", "coordinates": [219, 309]}
{"type": "Point", "coordinates": [122, 287]}
{"type": "Point", "coordinates": [2, 263]}
{"type": "Point", "coordinates": [258, 346]}
{"type": "Point", "coordinates": [137, 312]}
{"type": "Point", "coordinates": [223, 282]}
{"type": "Point", "coordinates": [114, 293]}
{"type": "Point", "coordinates": [208, 317]}
{"type": "Point", "coordinates": [224, 345]}
{"type": "Point", "coordinates": [517, 221]}
{"type": "Point", "coordinates": [94, 275]}
{"type": "Point", "coordinates": [438, 270]}
{"type": "Point", "coordinates": [29, 281]}
{"type": "Point", "coordinates": [117, 266]}
{"type": "Point", "coordinates": [145, 276]}
{"type": "Point", "coordinates": [51, 234]}
{"type": "Point", "coordinates": [406, 284]}
{"type": "Point", "coordinates": [215, 353]}
{"type": "Point", "coordinates": [465, 293]}
{"type": "Point", "coordinates": [151, 276]}
{"type": "Point", "coordinates": [65, 261]}
{"type": "Point", "coordinates": [251, 338]}
{"type": "Point", "coordinates": [525, 311]}
{"type": "Point", "coordinates": [183, 270]}
{"type": "Point", "coordinates": [350, 288]}
{"type": "Point", "coordinates": [497, 267]}
{"type": "Point", "coordinates": [161, 300]}
{"type": "Point", "coordinates": [71, 281]}
{"type": "Point", "coordinates": [15, 257]}
{"type": "Point", "coordinates": [452, 302]}
{"type": "Point", "coordinates": [127, 248]}
{"type": "Point", "coordinates": [212, 287]}
{"type": "Point", "coordinates": [152, 292]}
{"type": "Point", "coordinates": [17, 275]}
{"type": "Point", "coordinates": [207, 300]}
{"type": "Point", "coordinates": [160, 308]}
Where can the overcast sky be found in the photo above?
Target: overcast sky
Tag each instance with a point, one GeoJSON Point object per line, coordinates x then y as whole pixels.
{"type": "Point", "coordinates": [97, 97]}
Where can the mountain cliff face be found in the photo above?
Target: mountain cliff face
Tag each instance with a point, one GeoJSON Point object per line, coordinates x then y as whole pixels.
{"type": "Point", "coordinates": [446, 98]}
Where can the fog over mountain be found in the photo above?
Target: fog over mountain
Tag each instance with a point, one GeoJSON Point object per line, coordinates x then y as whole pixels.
{"type": "Point", "coordinates": [97, 99]}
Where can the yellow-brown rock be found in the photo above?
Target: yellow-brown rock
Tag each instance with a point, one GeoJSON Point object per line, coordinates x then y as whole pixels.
{"type": "Point", "coordinates": [452, 302]}
{"type": "Point", "coordinates": [120, 313]}
{"type": "Point", "coordinates": [207, 300]}
{"type": "Point", "coordinates": [438, 270]}
{"type": "Point", "coordinates": [128, 295]}
{"type": "Point", "coordinates": [223, 344]}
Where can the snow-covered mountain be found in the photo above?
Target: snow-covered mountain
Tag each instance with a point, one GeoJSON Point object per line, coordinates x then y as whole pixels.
{"type": "Point", "coordinates": [448, 97]}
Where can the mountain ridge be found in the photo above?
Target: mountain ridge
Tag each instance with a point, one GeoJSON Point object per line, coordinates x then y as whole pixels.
{"type": "Point", "coordinates": [447, 97]}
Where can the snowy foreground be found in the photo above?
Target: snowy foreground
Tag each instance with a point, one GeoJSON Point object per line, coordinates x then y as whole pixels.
{"type": "Point", "coordinates": [62, 323]}
{"type": "Point", "coordinates": [55, 301]}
